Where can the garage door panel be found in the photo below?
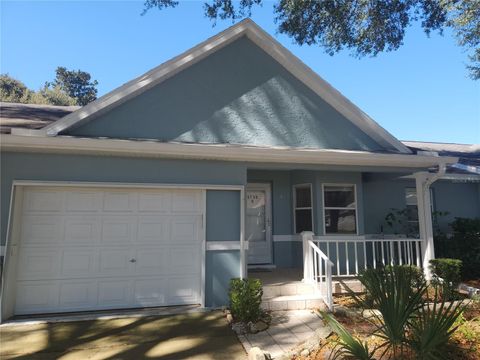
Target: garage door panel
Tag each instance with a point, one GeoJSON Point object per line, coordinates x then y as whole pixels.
{"type": "Point", "coordinates": [153, 229]}
{"type": "Point", "coordinates": [83, 201]}
{"type": "Point", "coordinates": [186, 201]}
{"type": "Point", "coordinates": [152, 261]}
{"type": "Point", "coordinates": [119, 201]}
{"type": "Point", "coordinates": [184, 260]}
{"type": "Point", "coordinates": [118, 229]}
{"type": "Point", "coordinates": [158, 202]}
{"type": "Point", "coordinates": [41, 230]}
{"type": "Point", "coordinates": [77, 263]}
{"type": "Point", "coordinates": [113, 293]}
{"type": "Point", "coordinates": [36, 296]}
{"type": "Point", "coordinates": [182, 290]}
{"type": "Point", "coordinates": [150, 292]}
{"type": "Point", "coordinates": [87, 248]}
{"type": "Point", "coordinates": [77, 295]}
{"type": "Point", "coordinates": [38, 263]}
{"type": "Point", "coordinates": [185, 229]}
{"type": "Point", "coordinates": [82, 230]}
{"type": "Point", "coordinates": [43, 201]}
{"type": "Point", "coordinates": [115, 262]}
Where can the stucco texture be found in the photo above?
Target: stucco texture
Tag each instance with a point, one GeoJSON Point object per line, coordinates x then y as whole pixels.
{"type": "Point", "coordinates": [238, 95]}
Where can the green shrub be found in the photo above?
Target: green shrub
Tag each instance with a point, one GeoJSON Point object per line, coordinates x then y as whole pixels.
{"type": "Point", "coordinates": [414, 273]}
{"type": "Point", "coordinates": [446, 275]}
{"type": "Point", "coordinates": [245, 299]}
{"type": "Point", "coordinates": [464, 244]}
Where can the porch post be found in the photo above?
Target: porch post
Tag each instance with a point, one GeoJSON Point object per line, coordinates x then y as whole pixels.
{"type": "Point", "coordinates": [423, 181]}
{"type": "Point", "coordinates": [307, 267]}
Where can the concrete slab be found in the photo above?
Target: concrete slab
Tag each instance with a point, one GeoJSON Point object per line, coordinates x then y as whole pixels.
{"type": "Point", "coordinates": [286, 331]}
{"type": "Point", "coordinates": [186, 336]}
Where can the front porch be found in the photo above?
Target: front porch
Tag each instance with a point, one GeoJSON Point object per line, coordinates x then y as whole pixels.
{"type": "Point", "coordinates": [308, 229]}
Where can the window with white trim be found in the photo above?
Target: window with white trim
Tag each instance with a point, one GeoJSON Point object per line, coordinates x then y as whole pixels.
{"type": "Point", "coordinates": [411, 204]}
{"type": "Point", "coordinates": [302, 208]}
{"type": "Point", "coordinates": [340, 209]}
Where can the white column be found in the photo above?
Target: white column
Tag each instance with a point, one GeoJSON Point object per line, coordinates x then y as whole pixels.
{"type": "Point", "coordinates": [423, 182]}
{"type": "Point", "coordinates": [307, 254]}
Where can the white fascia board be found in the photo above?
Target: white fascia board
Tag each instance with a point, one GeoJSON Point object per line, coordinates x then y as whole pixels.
{"type": "Point", "coordinates": [262, 39]}
{"type": "Point", "coordinates": [133, 148]}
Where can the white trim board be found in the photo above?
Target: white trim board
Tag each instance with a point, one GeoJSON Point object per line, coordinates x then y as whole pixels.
{"type": "Point", "coordinates": [223, 245]}
{"type": "Point", "coordinates": [267, 43]}
{"type": "Point", "coordinates": [225, 152]}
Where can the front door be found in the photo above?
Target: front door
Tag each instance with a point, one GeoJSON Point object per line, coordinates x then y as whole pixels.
{"type": "Point", "coordinates": [258, 224]}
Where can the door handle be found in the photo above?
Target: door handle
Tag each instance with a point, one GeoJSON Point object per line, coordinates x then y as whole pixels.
{"type": "Point", "coordinates": [133, 260]}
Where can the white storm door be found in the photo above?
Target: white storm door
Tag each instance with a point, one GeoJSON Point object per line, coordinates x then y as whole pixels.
{"type": "Point", "coordinates": [258, 223]}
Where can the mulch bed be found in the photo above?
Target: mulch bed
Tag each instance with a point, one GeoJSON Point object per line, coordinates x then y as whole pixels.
{"type": "Point", "coordinates": [465, 342]}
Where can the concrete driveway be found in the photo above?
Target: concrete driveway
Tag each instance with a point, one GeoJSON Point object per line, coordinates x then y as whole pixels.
{"type": "Point", "coordinates": [188, 336]}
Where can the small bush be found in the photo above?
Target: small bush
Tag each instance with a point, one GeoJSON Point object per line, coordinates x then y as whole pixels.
{"type": "Point", "coordinates": [447, 274]}
{"type": "Point", "coordinates": [245, 299]}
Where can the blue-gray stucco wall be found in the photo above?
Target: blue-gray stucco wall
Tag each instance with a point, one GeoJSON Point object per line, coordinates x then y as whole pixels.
{"type": "Point", "coordinates": [223, 224]}
{"type": "Point", "coordinates": [383, 193]}
{"type": "Point", "coordinates": [237, 95]}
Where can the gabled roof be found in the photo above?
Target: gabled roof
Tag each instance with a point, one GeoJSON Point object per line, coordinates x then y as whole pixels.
{"type": "Point", "coordinates": [244, 28]}
{"type": "Point", "coordinates": [30, 116]}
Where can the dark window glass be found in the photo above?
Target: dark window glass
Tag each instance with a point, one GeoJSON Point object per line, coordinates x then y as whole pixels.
{"type": "Point", "coordinates": [303, 197]}
{"type": "Point", "coordinates": [340, 221]}
{"type": "Point", "coordinates": [339, 196]}
{"type": "Point", "coordinates": [303, 220]}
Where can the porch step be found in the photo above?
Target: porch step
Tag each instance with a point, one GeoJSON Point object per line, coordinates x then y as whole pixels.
{"type": "Point", "coordinates": [293, 302]}
{"type": "Point", "coordinates": [287, 288]}
{"type": "Point", "coordinates": [353, 284]}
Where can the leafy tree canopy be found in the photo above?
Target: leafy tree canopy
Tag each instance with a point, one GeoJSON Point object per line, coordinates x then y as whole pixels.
{"type": "Point", "coordinates": [364, 27]}
{"type": "Point", "coordinates": [69, 87]}
{"type": "Point", "coordinates": [76, 84]}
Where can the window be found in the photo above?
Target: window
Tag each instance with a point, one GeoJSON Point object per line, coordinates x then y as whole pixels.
{"type": "Point", "coordinates": [340, 209]}
{"type": "Point", "coordinates": [411, 205]}
{"type": "Point", "coordinates": [412, 208]}
{"type": "Point", "coordinates": [303, 208]}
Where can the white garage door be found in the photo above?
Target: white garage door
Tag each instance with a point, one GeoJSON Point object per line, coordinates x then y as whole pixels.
{"type": "Point", "coordinates": [86, 249]}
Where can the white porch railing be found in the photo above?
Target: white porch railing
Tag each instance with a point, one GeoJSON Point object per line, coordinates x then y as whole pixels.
{"type": "Point", "coordinates": [317, 269]}
{"type": "Point", "coordinates": [351, 255]}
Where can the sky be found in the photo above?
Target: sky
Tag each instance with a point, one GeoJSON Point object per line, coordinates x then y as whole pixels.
{"type": "Point", "coordinates": [420, 92]}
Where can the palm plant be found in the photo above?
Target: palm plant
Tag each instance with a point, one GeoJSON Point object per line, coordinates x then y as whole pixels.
{"type": "Point", "coordinates": [347, 345]}
{"type": "Point", "coordinates": [432, 327]}
{"type": "Point", "coordinates": [397, 295]}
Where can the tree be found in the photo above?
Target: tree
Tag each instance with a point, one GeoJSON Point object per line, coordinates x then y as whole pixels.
{"type": "Point", "coordinates": [49, 95]}
{"type": "Point", "coordinates": [69, 88]}
{"type": "Point", "coordinates": [76, 84]}
{"type": "Point", "coordinates": [365, 27]}
{"type": "Point", "coordinates": [13, 90]}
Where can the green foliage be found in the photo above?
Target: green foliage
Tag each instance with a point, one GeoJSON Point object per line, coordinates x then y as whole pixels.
{"type": "Point", "coordinates": [393, 295]}
{"type": "Point", "coordinates": [464, 244]}
{"type": "Point", "coordinates": [76, 84]}
{"type": "Point", "coordinates": [347, 345]}
{"type": "Point", "coordinates": [52, 96]}
{"type": "Point", "coordinates": [397, 221]}
{"type": "Point", "coordinates": [447, 275]}
{"type": "Point", "coordinates": [245, 299]}
{"type": "Point", "coordinates": [406, 321]}
{"type": "Point", "coordinates": [68, 88]}
{"type": "Point", "coordinates": [13, 90]}
{"type": "Point", "coordinates": [363, 27]}
{"type": "Point", "coordinates": [431, 328]}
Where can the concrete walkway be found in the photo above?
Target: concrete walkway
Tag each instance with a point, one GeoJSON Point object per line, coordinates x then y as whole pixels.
{"type": "Point", "coordinates": [288, 329]}
{"type": "Point", "coordinates": [187, 336]}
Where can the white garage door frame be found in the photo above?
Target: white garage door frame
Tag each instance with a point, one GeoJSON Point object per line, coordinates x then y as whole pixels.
{"type": "Point", "coordinates": [9, 276]}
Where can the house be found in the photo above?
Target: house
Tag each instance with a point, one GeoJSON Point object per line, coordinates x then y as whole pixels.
{"type": "Point", "coordinates": [205, 168]}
